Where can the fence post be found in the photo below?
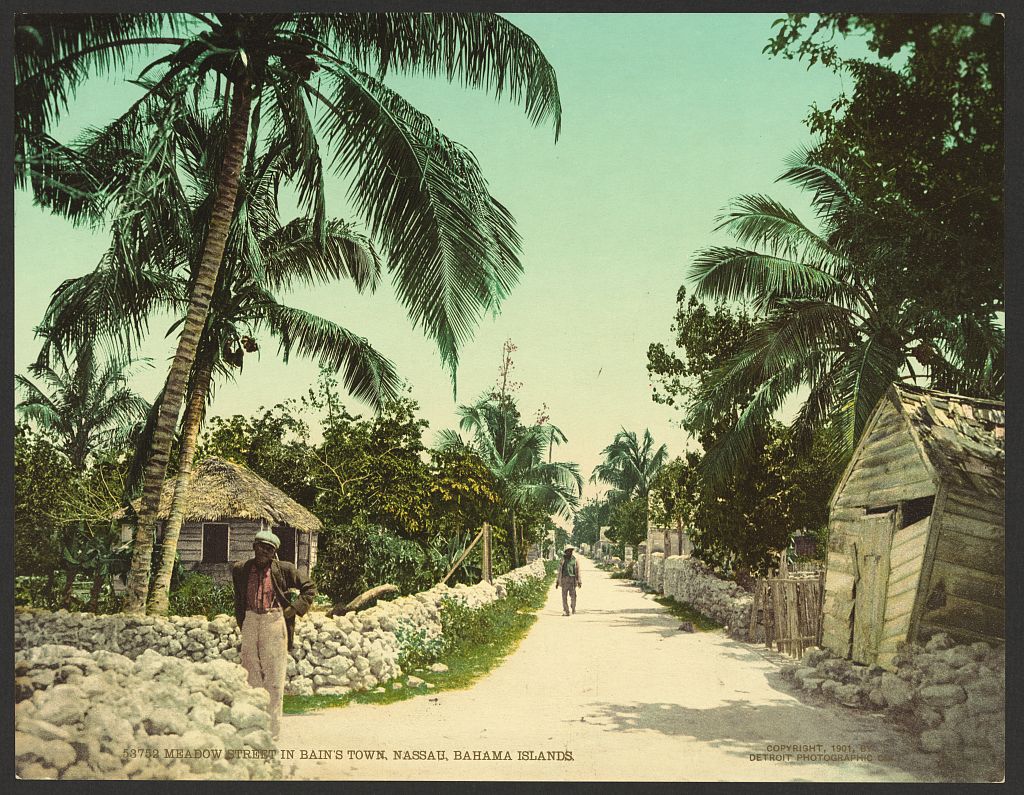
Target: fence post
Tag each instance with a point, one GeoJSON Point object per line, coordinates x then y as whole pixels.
{"type": "Point", "coordinates": [487, 553]}
{"type": "Point", "coordinates": [462, 557]}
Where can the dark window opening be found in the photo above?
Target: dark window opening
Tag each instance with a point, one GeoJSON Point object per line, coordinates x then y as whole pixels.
{"type": "Point", "coordinates": [879, 510]}
{"type": "Point", "coordinates": [287, 549]}
{"type": "Point", "coordinates": [215, 543]}
{"type": "Point", "coordinates": [916, 510]}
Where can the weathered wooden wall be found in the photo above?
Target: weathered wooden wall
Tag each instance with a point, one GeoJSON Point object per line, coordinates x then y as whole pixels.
{"type": "Point", "coordinates": [966, 590]}
{"type": "Point", "coordinates": [905, 563]}
{"type": "Point", "coordinates": [887, 469]}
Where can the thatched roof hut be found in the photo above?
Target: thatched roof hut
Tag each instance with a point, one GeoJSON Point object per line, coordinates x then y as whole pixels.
{"type": "Point", "coordinates": [226, 490]}
{"type": "Point", "coordinates": [225, 506]}
{"type": "Point", "coordinates": [917, 525]}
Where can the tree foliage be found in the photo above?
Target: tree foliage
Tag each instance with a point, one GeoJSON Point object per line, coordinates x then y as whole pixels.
{"type": "Point", "coordinates": [920, 134]}
{"type": "Point", "coordinates": [780, 486]}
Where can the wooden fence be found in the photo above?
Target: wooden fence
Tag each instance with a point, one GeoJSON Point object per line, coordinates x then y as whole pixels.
{"type": "Point", "coordinates": [787, 610]}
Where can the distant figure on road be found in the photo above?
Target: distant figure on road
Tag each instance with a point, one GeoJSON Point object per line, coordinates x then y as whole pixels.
{"type": "Point", "coordinates": [568, 580]}
{"type": "Point", "coordinates": [266, 616]}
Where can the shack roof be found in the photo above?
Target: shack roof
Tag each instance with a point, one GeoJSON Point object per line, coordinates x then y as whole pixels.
{"type": "Point", "coordinates": [224, 490]}
{"type": "Point", "coordinates": [963, 438]}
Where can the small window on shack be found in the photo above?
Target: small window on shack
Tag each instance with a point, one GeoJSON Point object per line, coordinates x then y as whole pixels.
{"type": "Point", "coordinates": [215, 543]}
{"type": "Point", "coordinates": [915, 510]}
{"type": "Point", "coordinates": [878, 510]}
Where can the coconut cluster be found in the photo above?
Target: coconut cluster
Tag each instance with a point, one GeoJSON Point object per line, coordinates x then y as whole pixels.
{"type": "Point", "coordinates": [102, 715]}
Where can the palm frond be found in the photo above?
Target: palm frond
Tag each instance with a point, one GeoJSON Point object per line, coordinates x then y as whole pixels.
{"type": "Point", "coordinates": [451, 249]}
{"type": "Point", "coordinates": [830, 193]}
{"type": "Point", "coordinates": [731, 274]}
{"type": "Point", "coordinates": [365, 373]}
{"type": "Point", "coordinates": [293, 255]}
{"type": "Point", "coordinates": [479, 50]}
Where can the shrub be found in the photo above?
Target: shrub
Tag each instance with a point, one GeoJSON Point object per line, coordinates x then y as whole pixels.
{"type": "Point", "coordinates": [197, 594]}
{"type": "Point", "coordinates": [417, 647]}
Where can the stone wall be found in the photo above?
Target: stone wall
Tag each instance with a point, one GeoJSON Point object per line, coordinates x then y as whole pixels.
{"type": "Point", "coordinates": [689, 580]}
{"type": "Point", "coordinates": [88, 687]}
{"type": "Point", "coordinates": [952, 697]}
{"type": "Point", "coordinates": [656, 571]}
{"type": "Point", "coordinates": [101, 715]}
{"type": "Point", "coordinates": [358, 651]}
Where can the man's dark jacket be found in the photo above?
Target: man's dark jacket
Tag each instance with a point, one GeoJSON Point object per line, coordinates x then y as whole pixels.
{"type": "Point", "coordinates": [283, 575]}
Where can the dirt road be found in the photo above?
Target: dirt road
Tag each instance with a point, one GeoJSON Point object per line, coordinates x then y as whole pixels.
{"type": "Point", "coordinates": [614, 693]}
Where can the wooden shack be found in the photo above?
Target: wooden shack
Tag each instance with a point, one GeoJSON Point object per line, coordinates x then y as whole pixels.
{"type": "Point", "coordinates": [916, 528]}
{"type": "Point", "coordinates": [225, 507]}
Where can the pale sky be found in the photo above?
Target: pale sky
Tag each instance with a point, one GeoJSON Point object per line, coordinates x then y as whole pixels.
{"type": "Point", "coordinates": [665, 118]}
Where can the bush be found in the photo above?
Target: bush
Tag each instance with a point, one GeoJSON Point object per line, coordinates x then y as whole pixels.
{"type": "Point", "coordinates": [416, 647]}
{"type": "Point", "coordinates": [33, 591]}
{"type": "Point", "coordinates": [462, 626]}
{"type": "Point", "coordinates": [197, 594]}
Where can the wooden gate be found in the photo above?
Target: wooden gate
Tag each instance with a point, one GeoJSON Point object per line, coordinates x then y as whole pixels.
{"type": "Point", "coordinates": [786, 612]}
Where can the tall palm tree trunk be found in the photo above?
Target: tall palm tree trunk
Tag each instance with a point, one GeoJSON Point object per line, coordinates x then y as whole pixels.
{"type": "Point", "coordinates": [188, 342]}
{"type": "Point", "coordinates": [159, 599]}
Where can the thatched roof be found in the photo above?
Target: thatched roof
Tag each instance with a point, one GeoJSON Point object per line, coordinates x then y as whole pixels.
{"type": "Point", "coordinates": [964, 438]}
{"type": "Point", "coordinates": [222, 490]}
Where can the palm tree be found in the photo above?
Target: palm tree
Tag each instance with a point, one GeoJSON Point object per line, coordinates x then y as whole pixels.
{"type": "Point", "coordinates": [262, 255]}
{"type": "Point", "coordinates": [514, 453]}
{"type": "Point", "coordinates": [630, 464]}
{"type": "Point", "coordinates": [450, 245]}
{"type": "Point", "coordinates": [824, 324]}
{"type": "Point", "coordinates": [86, 404]}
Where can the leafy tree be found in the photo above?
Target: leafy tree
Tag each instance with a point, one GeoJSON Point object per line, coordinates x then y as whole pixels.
{"type": "Point", "coordinates": [628, 522]}
{"type": "Point", "coordinates": [531, 488]}
{"type": "Point", "coordinates": [514, 453]}
{"type": "Point", "coordinates": [372, 482]}
{"type": "Point", "coordinates": [823, 323]}
{"type": "Point", "coordinates": [42, 472]}
{"type": "Point", "coordinates": [262, 256]}
{"type": "Point", "coordinates": [588, 521]}
{"type": "Point", "coordinates": [451, 246]}
{"type": "Point", "coordinates": [920, 133]}
{"type": "Point", "coordinates": [274, 444]}
{"type": "Point", "coordinates": [780, 486]}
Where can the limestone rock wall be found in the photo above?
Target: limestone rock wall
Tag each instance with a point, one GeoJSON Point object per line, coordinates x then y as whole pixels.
{"type": "Point", "coordinates": [88, 687]}
{"type": "Point", "coordinates": [952, 697]}
{"type": "Point", "coordinates": [689, 580]}
{"type": "Point", "coordinates": [357, 651]}
{"type": "Point", "coordinates": [102, 715]}
{"type": "Point", "coordinates": [656, 571]}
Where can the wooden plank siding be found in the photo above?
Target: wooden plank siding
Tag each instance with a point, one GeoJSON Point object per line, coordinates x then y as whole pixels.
{"type": "Point", "coordinates": [890, 495]}
{"type": "Point", "coordinates": [190, 542]}
{"type": "Point", "coordinates": [240, 539]}
{"type": "Point", "coordinates": [958, 615]}
{"type": "Point", "coordinates": [879, 470]}
{"type": "Point", "coordinates": [987, 589]}
{"type": "Point", "coordinates": [973, 520]}
{"type": "Point", "coordinates": [970, 552]}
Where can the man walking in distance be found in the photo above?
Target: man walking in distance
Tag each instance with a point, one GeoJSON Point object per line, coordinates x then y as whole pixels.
{"type": "Point", "coordinates": [568, 580]}
{"type": "Point", "coordinates": [266, 617]}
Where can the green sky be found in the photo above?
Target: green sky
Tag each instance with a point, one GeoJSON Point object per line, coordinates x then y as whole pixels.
{"type": "Point", "coordinates": [665, 118]}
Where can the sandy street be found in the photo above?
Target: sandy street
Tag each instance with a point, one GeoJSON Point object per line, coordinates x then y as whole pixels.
{"type": "Point", "coordinates": [629, 697]}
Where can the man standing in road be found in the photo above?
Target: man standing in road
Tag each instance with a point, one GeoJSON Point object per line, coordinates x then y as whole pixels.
{"type": "Point", "coordinates": [266, 617]}
{"type": "Point", "coordinates": [568, 580]}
